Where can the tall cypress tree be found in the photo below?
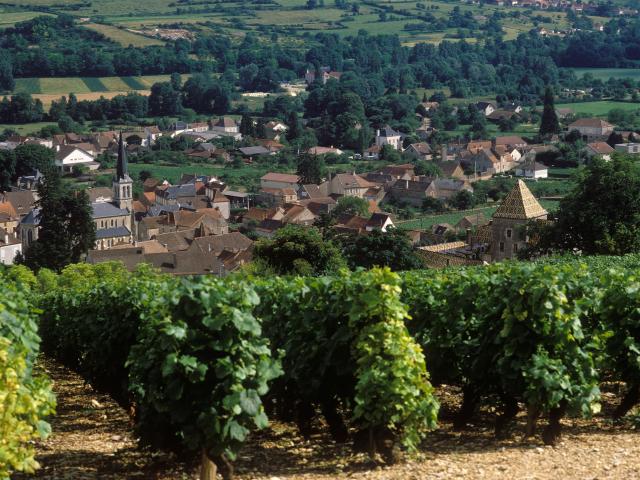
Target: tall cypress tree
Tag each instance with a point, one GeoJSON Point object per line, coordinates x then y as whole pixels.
{"type": "Point", "coordinates": [67, 231]}
{"type": "Point", "coordinates": [247, 127]}
{"type": "Point", "coordinates": [549, 124]}
{"type": "Point", "coordinates": [295, 128]}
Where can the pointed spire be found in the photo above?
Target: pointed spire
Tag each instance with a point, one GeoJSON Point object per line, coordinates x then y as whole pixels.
{"type": "Point", "coordinates": [520, 204]}
{"type": "Point", "coordinates": [122, 168]}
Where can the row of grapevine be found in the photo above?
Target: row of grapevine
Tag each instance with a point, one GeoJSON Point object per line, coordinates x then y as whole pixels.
{"type": "Point", "coordinates": [347, 351]}
{"type": "Point", "coordinates": [202, 361]}
{"type": "Point", "coordinates": [187, 356]}
{"type": "Point", "coordinates": [25, 398]}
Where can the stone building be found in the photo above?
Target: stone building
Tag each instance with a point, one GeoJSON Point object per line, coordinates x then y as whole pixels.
{"type": "Point", "coordinates": [508, 226]}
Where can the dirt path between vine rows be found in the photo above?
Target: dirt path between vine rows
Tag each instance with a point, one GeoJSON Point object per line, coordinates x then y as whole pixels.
{"type": "Point", "coordinates": [93, 439]}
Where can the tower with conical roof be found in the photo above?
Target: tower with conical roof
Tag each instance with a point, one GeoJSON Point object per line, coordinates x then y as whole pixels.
{"type": "Point", "coordinates": [122, 183]}
{"type": "Point", "coordinates": [508, 225]}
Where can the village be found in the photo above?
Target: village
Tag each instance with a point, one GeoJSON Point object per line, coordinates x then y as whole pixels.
{"type": "Point", "coordinates": [199, 225]}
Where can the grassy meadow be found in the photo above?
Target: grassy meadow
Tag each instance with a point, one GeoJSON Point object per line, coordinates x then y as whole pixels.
{"type": "Point", "coordinates": [605, 74]}
{"type": "Point", "coordinates": [123, 36]}
{"type": "Point", "coordinates": [598, 108]}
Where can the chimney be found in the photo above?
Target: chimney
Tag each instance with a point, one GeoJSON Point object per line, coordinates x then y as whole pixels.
{"type": "Point", "coordinates": [469, 236]}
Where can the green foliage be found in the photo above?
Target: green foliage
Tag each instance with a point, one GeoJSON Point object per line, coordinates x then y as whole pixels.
{"type": "Point", "coordinates": [549, 123]}
{"type": "Point", "coordinates": [391, 249]}
{"type": "Point", "coordinates": [345, 341]}
{"type": "Point", "coordinates": [351, 206]}
{"type": "Point", "coordinates": [25, 400]}
{"type": "Point", "coordinates": [191, 353]}
{"type": "Point", "coordinates": [200, 372]}
{"type": "Point", "coordinates": [392, 389]}
{"type": "Point", "coordinates": [67, 231]}
{"type": "Point", "coordinates": [298, 250]}
{"type": "Point", "coordinates": [602, 213]}
{"type": "Point", "coordinates": [509, 329]}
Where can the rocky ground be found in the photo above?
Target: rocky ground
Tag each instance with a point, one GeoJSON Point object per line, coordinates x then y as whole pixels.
{"type": "Point", "coordinates": [93, 439]}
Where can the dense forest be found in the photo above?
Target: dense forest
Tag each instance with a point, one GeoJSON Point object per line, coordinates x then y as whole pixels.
{"type": "Point", "coordinates": [55, 46]}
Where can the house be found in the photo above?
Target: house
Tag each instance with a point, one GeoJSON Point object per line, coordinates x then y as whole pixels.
{"type": "Point", "coordinates": [277, 196]}
{"type": "Point", "coordinates": [628, 148]}
{"type": "Point", "coordinates": [599, 149]}
{"type": "Point", "coordinates": [470, 222]}
{"type": "Point", "coordinates": [419, 151]}
{"type": "Point", "coordinates": [325, 74]}
{"type": "Point", "coordinates": [451, 170]}
{"type": "Point", "coordinates": [324, 151]}
{"type": "Point", "coordinates": [497, 115]}
{"type": "Point", "coordinates": [445, 188]}
{"type": "Point", "coordinates": [486, 108]}
{"type": "Point", "coordinates": [349, 185]}
{"type": "Point", "coordinates": [9, 218]}
{"type": "Point", "coordinates": [405, 171]}
{"type": "Point", "coordinates": [10, 247]}
{"type": "Point", "coordinates": [68, 157]}
{"type": "Point", "coordinates": [388, 136]}
{"type": "Point", "coordinates": [412, 192]}
{"type": "Point", "coordinates": [476, 146]}
{"type": "Point", "coordinates": [100, 194]}
{"type": "Point", "coordinates": [256, 151]}
{"type": "Point", "coordinates": [379, 221]}
{"type": "Point", "coordinates": [372, 153]}
{"type": "Point", "coordinates": [22, 201]}
{"type": "Point", "coordinates": [225, 125]}
{"type": "Point", "coordinates": [591, 127]}
{"type": "Point", "coordinates": [512, 141]}
{"type": "Point", "coordinates": [509, 221]}
{"type": "Point", "coordinates": [298, 215]}
{"type": "Point", "coordinates": [532, 169]}
{"type": "Point", "coordinates": [279, 180]}
{"type": "Point", "coordinates": [274, 129]}
{"type": "Point", "coordinates": [347, 223]}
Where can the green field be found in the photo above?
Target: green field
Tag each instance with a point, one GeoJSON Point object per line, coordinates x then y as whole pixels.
{"type": "Point", "coordinates": [122, 36]}
{"type": "Point", "coordinates": [426, 222]}
{"type": "Point", "coordinates": [599, 108]}
{"type": "Point", "coordinates": [9, 19]}
{"type": "Point", "coordinates": [27, 128]}
{"type": "Point", "coordinates": [235, 177]}
{"type": "Point", "coordinates": [607, 73]}
{"type": "Point", "coordinates": [94, 84]}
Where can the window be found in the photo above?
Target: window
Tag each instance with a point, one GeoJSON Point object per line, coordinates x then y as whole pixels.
{"type": "Point", "coordinates": [509, 233]}
{"type": "Point", "coordinates": [502, 246]}
{"type": "Point", "coordinates": [515, 248]}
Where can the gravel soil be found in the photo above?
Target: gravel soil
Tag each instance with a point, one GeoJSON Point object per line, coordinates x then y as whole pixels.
{"type": "Point", "coordinates": [93, 439]}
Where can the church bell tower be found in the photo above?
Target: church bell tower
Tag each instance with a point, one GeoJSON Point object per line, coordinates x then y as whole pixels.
{"type": "Point", "coordinates": [122, 183]}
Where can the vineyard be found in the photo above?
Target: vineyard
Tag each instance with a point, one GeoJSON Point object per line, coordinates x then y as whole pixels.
{"type": "Point", "coordinates": [200, 363]}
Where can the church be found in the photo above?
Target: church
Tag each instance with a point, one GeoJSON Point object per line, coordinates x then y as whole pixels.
{"type": "Point", "coordinates": [113, 219]}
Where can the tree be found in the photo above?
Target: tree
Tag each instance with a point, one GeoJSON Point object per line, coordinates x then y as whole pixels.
{"type": "Point", "coordinates": [33, 157]}
{"type": "Point", "coordinates": [164, 99]}
{"type": "Point", "coordinates": [6, 73]}
{"type": "Point", "coordinates": [311, 168]}
{"type": "Point", "coordinates": [295, 128]}
{"type": "Point", "coordinates": [67, 231]}
{"type": "Point", "coordinates": [7, 169]}
{"type": "Point", "coordinates": [144, 175]}
{"type": "Point", "coordinates": [549, 123]}
{"type": "Point", "coordinates": [247, 127]}
{"type": "Point", "coordinates": [391, 249]}
{"type": "Point", "coordinates": [298, 250]}
{"type": "Point", "coordinates": [601, 215]}
{"type": "Point", "coordinates": [463, 200]}
{"type": "Point", "coordinates": [351, 206]}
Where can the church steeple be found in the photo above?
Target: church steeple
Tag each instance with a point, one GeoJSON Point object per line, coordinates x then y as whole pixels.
{"type": "Point", "coordinates": [122, 169]}
{"type": "Point", "coordinates": [122, 183]}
